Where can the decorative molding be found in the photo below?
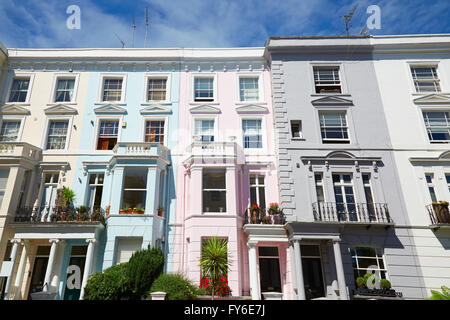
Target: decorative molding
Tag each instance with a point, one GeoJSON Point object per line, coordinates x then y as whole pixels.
{"type": "Point", "coordinates": [204, 109]}
{"type": "Point", "coordinates": [252, 108]}
{"type": "Point", "coordinates": [14, 109]}
{"type": "Point", "coordinates": [332, 101]}
{"type": "Point", "coordinates": [443, 157]}
{"type": "Point", "coordinates": [158, 109]}
{"type": "Point", "coordinates": [60, 109]}
{"type": "Point", "coordinates": [110, 108]}
{"type": "Point", "coordinates": [433, 98]}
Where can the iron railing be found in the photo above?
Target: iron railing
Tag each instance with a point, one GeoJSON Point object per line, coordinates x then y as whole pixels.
{"type": "Point", "coordinates": [351, 212]}
{"type": "Point", "coordinates": [264, 216]}
{"type": "Point", "coordinates": [439, 214]}
{"type": "Point", "coordinates": [58, 214]}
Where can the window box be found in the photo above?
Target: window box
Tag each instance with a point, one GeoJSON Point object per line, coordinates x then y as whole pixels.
{"type": "Point", "coordinates": [125, 211]}
{"type": "Point", "coordinates": [377, 292]}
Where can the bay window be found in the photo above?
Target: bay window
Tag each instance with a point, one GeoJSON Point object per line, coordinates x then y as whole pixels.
{"type": "Point", "coordinates": [214, 190]}
{"type": "Point", "coordinates": [134, 187]}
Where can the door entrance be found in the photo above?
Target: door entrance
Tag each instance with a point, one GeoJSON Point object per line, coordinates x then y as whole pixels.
{"type": "Point", "coordinates": [75, 272]}
{"type": "Point", "coordinates": [39, 269]}
{"type": "Point", "coordinates": [269, 269]}
{"type": "Point", "coordinates": [312, 271]}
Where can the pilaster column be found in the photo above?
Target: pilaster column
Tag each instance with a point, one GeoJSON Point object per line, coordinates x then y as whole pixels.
{"type": "Point", "coordinates": [253, 271]}
{"type": "Point", "coordinates": [87, 265]}
{"type": "Point", "coordinates": [116, 191]}
{"type": "Point", "coordinates": [299, 271]}
{"type": "Point", "coordinates": [293, 269]}
{"type": "Point", "coordinates": [21, 269]}
{"type": "Point", "coordinates": [339, 270]}
{"type": "Point", "coordinates": [194, 192]}
{"type": "Point", "coordinates": [153, 190]}
{"type": "Point", "coordinates": [14, 252]}
{"type": "Point", "coordinates": [51, 262]}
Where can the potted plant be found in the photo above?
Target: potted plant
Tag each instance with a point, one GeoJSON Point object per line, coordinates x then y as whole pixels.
{"type": "Point", "coordinates": [160, 211]}
{"type": "Point", "coordinates": [442, 212]}
{"type": "Point", "coordinates": [255, 210]}
{"type": "Point", "coordinates": [126, 210]}
{"type": "Point", "coordinates": [138, 210]}
{"type": "Point", "coordinates": [107, 208]}
{"type": "Point", "coordinates": [82, 213]}
{"type": "Point", "coordinates": [275, 212]}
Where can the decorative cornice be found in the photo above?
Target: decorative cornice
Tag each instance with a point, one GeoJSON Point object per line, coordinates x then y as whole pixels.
{"type": "Point", "coordinates": [110, 108]}
{"type": "Point", "coordinates": [204, 109]}
{"type": "Point", "coordinates": [433, 98]}
{"type": "Point", "coordinates": [60, 109]}
{"type": "Point", "coordinates": [332, 101]}
{"type": "Point", "coordinates": [14, 109]}
{"type": "Point", "coordinates": [156, 109]}
{"type": "Point", "coordinates": [252, 108]}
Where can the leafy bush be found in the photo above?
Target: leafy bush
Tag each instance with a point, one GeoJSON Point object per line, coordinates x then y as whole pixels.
{"type": "Point", "coordinates": [111, 284]}
{"type": "Point", "coordinates": [143, 268]}
{"type": "Point", "coordinates": [436, 295]}
{"type": "Point", "coordinates": [360, 282]}
{"type": "Point", "coordinates": [385, 284]}
{"type": "Point", "coordinates": [175, 286]}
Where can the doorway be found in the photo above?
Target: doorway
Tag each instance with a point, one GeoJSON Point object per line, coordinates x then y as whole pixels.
{"type": "Point", "coordinates": [39, 270]}
{"type": "Point", "coordinates": [74, 277]}
{"type": "Point", "coordinates": [269, 269]}
{"type": "Point", "coordinates": [312, 271]}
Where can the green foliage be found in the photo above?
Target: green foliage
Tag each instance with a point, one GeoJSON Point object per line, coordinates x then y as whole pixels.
{"type": "Point", "coordinates": [143, 268]}
{"type": "Point", "coordinates": [385, 284]}
{"type": "Point", "coordinates": [360, 282]}
{"type": "Point", "coordinates": [68, 195]}
{"type": "Point", "coordinates": [175, 286]}
{"type": "Point", "coordinates": [111, 284]}
{"type": "Point", "coordinates": [214, 260]}
{"type": "Point", "coordinates": [436, 295]}
{"type": "Point", "coordinates": [83, 209]}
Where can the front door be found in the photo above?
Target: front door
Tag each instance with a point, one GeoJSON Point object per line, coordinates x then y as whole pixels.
{"type": "Point", "coordinates": [269, 269]}
{"type": "Point", "coordinates": [312, 271]}
{"type": "Point", "coordinates": [38, 276]}
{"type": "Point", "coordinates": [73, 289]}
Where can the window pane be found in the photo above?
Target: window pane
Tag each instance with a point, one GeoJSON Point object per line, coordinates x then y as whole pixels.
{"type": "Point", "coordinates": [205, 130]}
{"type": "Point", "coordinates": [157, 89]}
{"type": "Point", "coordinates": [19, 90]}
{"type": "Point", "coordinates": [268, 251]}
{"type": "Point", "coordinates": [252, 133]}
{"type": "Point", "coordinates": [248, 89]}
{"type": "Point", "coordinates": [57, 134]}
{"type": "Point", "coordinates": [204, 89]}
{"type": "Point", "coordinates": [310, 251]}
{"type": "Point", "coordinates": [135, 178]}
{"type": "Point", "coordinates": [154, 131]}
{"type": "Point", "coordinates": [214, 179]}
{"type": "Point", "coordinates": [214, 201]}
{"type": "Point", "coordinates": [133, 199]}
{"type": "Point", "coordinates": [9, 130]}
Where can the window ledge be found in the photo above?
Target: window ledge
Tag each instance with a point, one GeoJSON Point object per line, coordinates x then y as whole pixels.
{"type": "Point", "coordinates": [104, 103]}
{"type": "Point", "coordinates": [244, 103]}
{"type": "Point", "coordinates": [62, 102]}
{"type": "Point", "coordinates": [151, 103]}
{"type": "Point", "coordinates": [330, 94]}
{"type": "Point", "coordinates": [204, 102]}
{"type": "Point", "coordinates": [298, 139]}
{"type": "Point", "coordinates": [428, 93]}
{"type": "Point", "coordinates": [25, 104]}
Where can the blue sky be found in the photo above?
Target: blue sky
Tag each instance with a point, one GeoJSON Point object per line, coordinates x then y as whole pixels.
{"type": "Point", "coordinates": [206, 23]}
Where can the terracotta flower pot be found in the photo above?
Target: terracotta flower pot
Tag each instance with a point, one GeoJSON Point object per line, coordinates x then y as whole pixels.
{"type": "Point", "coordinates": [255, 215]}
{"type": "Point", "coordinates": [442, 213]}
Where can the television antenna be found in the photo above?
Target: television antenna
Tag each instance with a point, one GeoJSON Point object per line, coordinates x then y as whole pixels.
{"type": "Point", "coordinates": [121, 41]}
{"type": "Point", "coordinates": [146, 27]}
{"type": "Point", "coordinates": [348, 18]}
{"type": "Point", "coordinates": [133, 26]}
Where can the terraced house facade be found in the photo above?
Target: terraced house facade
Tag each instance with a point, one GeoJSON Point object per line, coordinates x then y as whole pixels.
{"type": "Point", "coordinates": [107, 151]}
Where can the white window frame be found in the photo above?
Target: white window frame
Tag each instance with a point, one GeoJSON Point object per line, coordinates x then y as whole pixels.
{"type": "Point", "coordinates": [207, 118]}
{"type": "Point", "coordinates": [426, 110]}
{"type": "Point", "coordinates": [215, 189]}
{"type": "Point", "coordinates": [320, 184]}
{"type": "Point", "coordinates": [347, 120]}
{"type": "Point", "coordinates": [300, 137]}
{"type": "Point", "coordinates": [377, 257]}
{"type": "Point", "coordinates": [431, 184]}
{"type": "Point", "coordinates": [97, 130]}
{"type": "Point", "coordinates": [30, 87]}
{"type": "Point", "coordinates": [58, 76]}
{"type": "Point", "coordinates": [47, 127]}
{"type": "Point", "coordinates": [104, 76]}
{"type": "Point", "coordinates": [338, 64]}
{"type": "Point", "coordinates": [14, 118]}
{"type": "Point", "coordinates": [261, 97]}
{"type": "Point", "coordinates": [144, 206]}
{"type": "Point", "coordinates": [204, 75]}
{"type": "Point", "coordinates": [257, 186]}
{"type": "Point", "coordinates": [251, 151]}
{"type": "Point", "coordinates": [89, 197]}
{"type": "Point", "coordinates": [424, 64]}
{"type": "Point", "coordinates": [155, 118]}
{"type": "Point", "coordinates": [157, 75]}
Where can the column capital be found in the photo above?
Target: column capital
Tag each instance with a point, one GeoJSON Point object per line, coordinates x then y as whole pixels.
{"type": "Point", "coordinates": [336, 240]}
{"type": "Point", "coordinates": [15, 240]}
{"type": "Point", "coordinates": [252, 244]}
{"type": "Point", "coordinates": [91, 240]}
{"type": "Point", "coordinates": [54, 241]}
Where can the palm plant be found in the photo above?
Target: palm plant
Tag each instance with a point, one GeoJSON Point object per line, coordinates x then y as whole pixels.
{"type": "Point", "coordinates": [214, 261]}
{"type": "Point", "coordinates": [436, 295]}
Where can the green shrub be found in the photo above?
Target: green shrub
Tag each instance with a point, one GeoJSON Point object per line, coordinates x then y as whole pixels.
{"type": "Point", "coordinates": [175, 286]}
{"type": "Point", "coordinates": [111, 284]}
{"type": "Point", "coordinates": [360, 282]}
{"type": "Point", "coordinates": [143, 268]}
{"type": "Point", "coordinates": [385, 284]}
{"type": "Point", "coordinates": [436, 295]}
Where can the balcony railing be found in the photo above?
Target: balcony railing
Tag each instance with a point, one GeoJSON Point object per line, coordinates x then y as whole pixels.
{"type": "Point", "coordinates": [140, 149]}
{"type": "Point", "coordinates": [20, 150]}
{"type": "Point", "coordinates": [376, 213]}
{"type": "Point", "coordinates": [58, 215]}
{"type": "Point", "coordinates": [201, 148]}
{"type": "Point", "coordinates": [264, 217]}
{"type": "Point", "coordinates": [439, 213]}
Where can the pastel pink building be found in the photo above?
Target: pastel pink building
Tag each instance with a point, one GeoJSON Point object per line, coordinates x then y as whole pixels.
{"type": "Point", "coordinates": [227, 163]}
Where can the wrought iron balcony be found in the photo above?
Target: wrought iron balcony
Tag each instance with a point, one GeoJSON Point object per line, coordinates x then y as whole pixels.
{"type": "Point", "coordinates": [371, 213]}
{"type": "Point", "coordinates": [264, 217]}
{"type": "Point", "coordinates": [439, 213]}
{"type": "Point", "coordinates": [58, 215]}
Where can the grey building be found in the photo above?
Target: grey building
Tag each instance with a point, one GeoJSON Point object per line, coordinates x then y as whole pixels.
{"type": "Point", "coordinates": [339, 186]}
